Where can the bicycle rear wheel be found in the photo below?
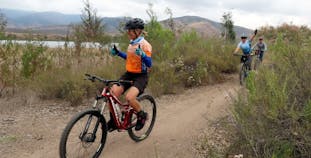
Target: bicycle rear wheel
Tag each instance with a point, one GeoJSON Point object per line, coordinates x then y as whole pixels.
{"type": "Point", "coordinates": [148, 105]}
{"type": "Point", "coordinates": [84, 136]}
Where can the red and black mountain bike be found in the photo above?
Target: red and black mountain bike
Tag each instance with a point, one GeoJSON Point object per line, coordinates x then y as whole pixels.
{"type": "Point", "coordinates": [85, 135]}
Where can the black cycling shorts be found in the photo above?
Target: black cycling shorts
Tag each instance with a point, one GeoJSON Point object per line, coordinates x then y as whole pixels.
{"type": "Point", "coordinates": [140, 81]}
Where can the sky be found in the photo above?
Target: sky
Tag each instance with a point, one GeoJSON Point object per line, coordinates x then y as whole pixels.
{"type": "Point", "coordinates": [248, 13]}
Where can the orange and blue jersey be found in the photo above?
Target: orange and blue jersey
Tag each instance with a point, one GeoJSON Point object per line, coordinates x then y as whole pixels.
{"type": "Point", "coordinates": [134, 62]}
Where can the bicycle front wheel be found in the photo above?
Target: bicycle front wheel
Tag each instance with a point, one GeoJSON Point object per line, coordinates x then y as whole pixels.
{"type": "Point", "coordinates": [243, 74]}
{"type": "Point", "coordinates": [148, 105]}
{"type": "Point", "coordinates": [84, 136]}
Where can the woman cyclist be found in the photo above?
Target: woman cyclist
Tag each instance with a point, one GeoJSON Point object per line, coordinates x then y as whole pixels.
{"type": "Point", "coordinates": [138, 63]}
{"type": "Point", "coordinates": [245, 46]}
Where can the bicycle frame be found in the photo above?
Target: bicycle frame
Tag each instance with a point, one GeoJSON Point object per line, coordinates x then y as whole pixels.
{"type": "Point", "coordinates": [246, 64]}
{"type": "Point", "coordinates": [245, 67]}
{"type": "Point", "coordinates": [121, 112]}
{"type": "Point", "coordinates": [122, 118]}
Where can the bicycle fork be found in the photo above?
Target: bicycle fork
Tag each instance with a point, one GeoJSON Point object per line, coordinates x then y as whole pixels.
{"type": "Point", "coordinates": [85, 130]}
{"type": "Point", "coordinates": [88, 123]}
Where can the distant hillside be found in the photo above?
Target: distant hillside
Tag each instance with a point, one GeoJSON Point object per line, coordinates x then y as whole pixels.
{"type": "Point", "coordinates": [44, 19]}
{"type": "Point", "coordinates": [205, 26]}
{"type": "Point", "coordinates": [51, 22]}
{"type": "Point", "coordinates": [30, 19]}
{"type": "Point", "coordinates": [57, 23]}
{"type": "Point", "coordinates": [12, 13]}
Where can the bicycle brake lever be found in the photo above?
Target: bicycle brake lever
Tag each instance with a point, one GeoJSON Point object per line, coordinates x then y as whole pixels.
{"type": "Point", "coordinates": [93, 78]}
{"type": "Point", "coordinates": [90, 77]}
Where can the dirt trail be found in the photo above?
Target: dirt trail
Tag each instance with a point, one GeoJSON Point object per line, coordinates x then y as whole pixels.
{"type": "Point", "coordinates": [34, 130]}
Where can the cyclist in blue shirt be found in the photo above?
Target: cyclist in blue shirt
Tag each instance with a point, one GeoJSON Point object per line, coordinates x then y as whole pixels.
{"type": "Point", "coordinates": [246, 46]}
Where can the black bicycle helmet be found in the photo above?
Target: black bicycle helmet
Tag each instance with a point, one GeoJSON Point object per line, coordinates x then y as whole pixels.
{"type": "Point", "coordinates": [135, 23]}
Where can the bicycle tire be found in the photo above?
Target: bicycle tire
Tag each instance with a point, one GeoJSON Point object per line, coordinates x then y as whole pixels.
{"type": "Point", "coordinates": [73, 121]}
{"type": "Point", "coordinates": [144, 135]}
{"type": "Point", "coordinates": [242, 75]}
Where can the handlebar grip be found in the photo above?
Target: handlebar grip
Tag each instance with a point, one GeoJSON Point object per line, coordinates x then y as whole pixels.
{"type": "Point", "coordinates": [90, 77]}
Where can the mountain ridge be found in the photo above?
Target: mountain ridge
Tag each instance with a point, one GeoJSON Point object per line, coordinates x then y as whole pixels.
{"type": "Point", "coordinates": [57, 23]}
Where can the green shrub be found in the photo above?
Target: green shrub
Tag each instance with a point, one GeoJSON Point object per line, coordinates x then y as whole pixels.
{"type": "Point", "coordinates": [68, 82]}
{"type": "Point", "coordinates": [274, 119]}
{"type": "Point", "coordinates": [33, 59]}
{"type": "Point", "coordinates": [164, 80]}
{"type": "Point", "coordinates": [178, 63]}
{"type": "Point", "coordinates": [9, 65]}
{"type": "Point", "coordinates": [62, 84]}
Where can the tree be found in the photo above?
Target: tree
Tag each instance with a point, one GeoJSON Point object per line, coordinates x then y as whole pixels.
{"type": "Point", "coordinates": [90, 29]}
{"type": "Point", "coordinates": [3, 23]}
{"type": "Point", "coordinates": [152, 15]}
{"type": "Point", "coordinates": [227, 22]}
{"type": "Point", "coordinates": [92, 26]}
{"type": "Point", "coordinates": [157, 34]}
{"type": "Point", "coordinates": [171, 23]}
{"type": "Point", "coordinates": [78, 38]}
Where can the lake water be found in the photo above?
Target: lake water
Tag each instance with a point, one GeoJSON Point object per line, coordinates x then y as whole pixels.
{"type": "Point", "coordinates": [56, 44]}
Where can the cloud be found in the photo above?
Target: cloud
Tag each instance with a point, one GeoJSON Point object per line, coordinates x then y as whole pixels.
{"type": "Point", "coordinates": [64, 6]}
{"type": "Point", "coordinates": [249, 13]}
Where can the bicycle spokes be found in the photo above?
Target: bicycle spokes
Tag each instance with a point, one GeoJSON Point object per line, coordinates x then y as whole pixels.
{"type": "Point", "coordinates": [82, 140]}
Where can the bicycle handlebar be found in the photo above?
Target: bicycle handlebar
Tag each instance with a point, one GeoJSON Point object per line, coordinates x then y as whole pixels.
{"type": "Point", "coordinates": [93, 78]}
{"type": "Point", "coordinates": [244, 54]}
